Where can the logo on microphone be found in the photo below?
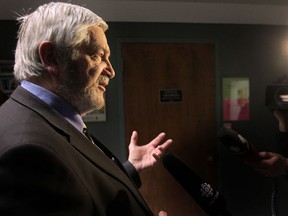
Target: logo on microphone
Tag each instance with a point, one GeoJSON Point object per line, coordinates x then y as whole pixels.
{"type": "Point", "coordinates": [207, 192]}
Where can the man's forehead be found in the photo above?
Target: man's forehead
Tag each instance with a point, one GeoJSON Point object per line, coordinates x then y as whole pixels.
{"type": "Point", "coordinates": [98, 38]}
{"type": "Point", "coordinates": [97, 32]}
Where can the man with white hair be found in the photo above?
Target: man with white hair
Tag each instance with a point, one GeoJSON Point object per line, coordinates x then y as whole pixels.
{"type": "Point", "coordinates": [47, 164]}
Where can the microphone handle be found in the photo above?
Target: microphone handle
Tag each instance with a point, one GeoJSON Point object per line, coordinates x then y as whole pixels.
{"type": "Point", "coordinates": [225, 213]}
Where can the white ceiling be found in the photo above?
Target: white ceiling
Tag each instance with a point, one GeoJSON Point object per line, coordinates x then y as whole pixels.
{"type": "Point", "coordinates": [274, 12]}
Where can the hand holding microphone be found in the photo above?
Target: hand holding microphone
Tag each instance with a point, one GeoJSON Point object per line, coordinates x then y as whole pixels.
{"type": "Point", "coordinates": [267, 163]}
{"type": "Point", "coordinates": [272, 164]}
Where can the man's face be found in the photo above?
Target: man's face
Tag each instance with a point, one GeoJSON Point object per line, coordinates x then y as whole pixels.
{"type": "Point", "coordinates": [84, 81]}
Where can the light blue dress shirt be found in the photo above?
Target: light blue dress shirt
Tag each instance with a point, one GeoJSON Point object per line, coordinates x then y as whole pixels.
{"type": "Point", "coordinates": [70, 114]}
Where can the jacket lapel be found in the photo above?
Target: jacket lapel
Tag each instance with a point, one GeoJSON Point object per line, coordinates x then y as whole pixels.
{"type": "Point", "coordinates": [77, 139]}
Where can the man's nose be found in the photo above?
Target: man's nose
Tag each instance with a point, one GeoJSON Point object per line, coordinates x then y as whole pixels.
{"type": "Point", "coordinates": [110, 70]}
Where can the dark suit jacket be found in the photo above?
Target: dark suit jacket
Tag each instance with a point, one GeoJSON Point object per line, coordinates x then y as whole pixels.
{"type": "Point", "coordinates": [48, 167]}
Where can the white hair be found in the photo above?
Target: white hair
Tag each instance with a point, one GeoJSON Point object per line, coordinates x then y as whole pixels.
{"type": "Point", "coordinates": [61, 23]}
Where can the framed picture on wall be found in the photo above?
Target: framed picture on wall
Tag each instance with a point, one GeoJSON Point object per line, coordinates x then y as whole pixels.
{"type": "Point", "coordinates": [236, 103]}
{"type": "Point", "coordinates": [96, 116]}
{"type": "Point", "coordinates": [7, 81]}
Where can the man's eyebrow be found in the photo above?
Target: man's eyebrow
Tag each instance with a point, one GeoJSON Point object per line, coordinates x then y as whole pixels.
{"type": "Point", "coordinates": [96, 47]}
{"type": "Point", "coordinates": [107, 50]}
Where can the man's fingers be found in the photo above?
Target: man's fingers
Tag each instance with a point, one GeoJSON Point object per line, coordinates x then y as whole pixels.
{"type": "Point", "coordinates": [134, 138]}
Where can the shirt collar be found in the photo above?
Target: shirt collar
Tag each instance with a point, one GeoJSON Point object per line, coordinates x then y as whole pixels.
{"type": "Point", "coordinates": [64, 108]}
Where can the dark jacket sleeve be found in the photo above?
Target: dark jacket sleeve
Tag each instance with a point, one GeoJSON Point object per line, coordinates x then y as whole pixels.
{"type": "Point", "coordinates": [132, 172]}
{"type": "Point", "coordinates": [282, 145]}
{"type": "Point", "coordinates": [282, 142]}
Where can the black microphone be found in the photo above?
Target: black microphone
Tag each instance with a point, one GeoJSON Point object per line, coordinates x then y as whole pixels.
{"type": "Point", "coordinates": [237, 144]}
{"type": "Point", "coordinates": [207, 198]}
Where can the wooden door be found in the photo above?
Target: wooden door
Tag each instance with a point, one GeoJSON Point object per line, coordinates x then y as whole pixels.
{"type": "Point", "coordinates": [170, 87]}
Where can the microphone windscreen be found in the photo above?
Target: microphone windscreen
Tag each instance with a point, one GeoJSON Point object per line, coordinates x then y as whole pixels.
{"type": "Point", "coordinates": [207, 198]}
{"type": "Point", "coordinates": [237, 144]}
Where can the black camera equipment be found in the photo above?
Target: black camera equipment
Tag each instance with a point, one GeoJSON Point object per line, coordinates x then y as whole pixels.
{"type": "Point", "coordinates": [277, 97]}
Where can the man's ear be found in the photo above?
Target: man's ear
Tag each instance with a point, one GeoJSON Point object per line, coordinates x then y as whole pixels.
{"type": "Point", "coordinates": [47, 54]}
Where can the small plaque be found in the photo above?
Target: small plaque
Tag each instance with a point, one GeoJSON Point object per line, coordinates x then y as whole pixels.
{"type": "Point", "coordinates": [170, 95]}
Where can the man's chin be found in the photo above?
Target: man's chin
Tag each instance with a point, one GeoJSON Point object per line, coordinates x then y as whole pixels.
{"type": "Point", "coordinates": [94, 108]}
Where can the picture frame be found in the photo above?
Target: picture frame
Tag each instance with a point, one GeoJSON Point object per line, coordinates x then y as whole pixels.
{"type": "Point", "coordinates": [96, 115]}
{"type": "Point", "coordinates": [7, 81]}
{"type": "Point", "coordinates": [236, 102]}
